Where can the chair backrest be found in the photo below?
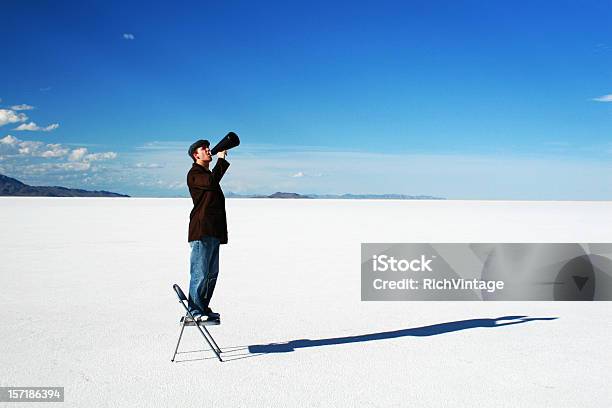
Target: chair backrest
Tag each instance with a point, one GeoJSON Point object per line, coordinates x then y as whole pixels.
{"type": "Point", "coordinates": [179, 292]}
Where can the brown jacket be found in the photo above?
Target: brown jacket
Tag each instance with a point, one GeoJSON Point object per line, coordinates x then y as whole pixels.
{"type": "Point", "coordinates": [208, 214]}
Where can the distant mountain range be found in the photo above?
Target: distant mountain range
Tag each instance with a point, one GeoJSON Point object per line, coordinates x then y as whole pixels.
{"type": "Point", "coordinates": [13, 187]}
{"type": "Point", "coordinates": [279, 194]}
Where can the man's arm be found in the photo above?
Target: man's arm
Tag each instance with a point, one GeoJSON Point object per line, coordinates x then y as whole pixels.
{"type": "Point", "coordinates": [206, 181]}
{"type": "Point", "coordinates": [221, 167]}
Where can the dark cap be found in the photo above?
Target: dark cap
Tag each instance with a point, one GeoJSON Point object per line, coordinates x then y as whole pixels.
{"type": "Point", "coordinates": [195, 146]}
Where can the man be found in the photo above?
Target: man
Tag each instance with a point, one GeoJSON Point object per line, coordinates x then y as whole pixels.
{"type": "Point", "coordinates": [207, 227]}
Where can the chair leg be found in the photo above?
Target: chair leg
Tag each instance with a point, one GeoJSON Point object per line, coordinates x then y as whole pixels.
{"type": "Point", "coordinates": [216, 350]}
{"type": "Point", "coordinates": [215, 344]}
{"type": "Point", "coordinates": [179, 341]}
{"type": "Point", "coordinates": [213, 341]}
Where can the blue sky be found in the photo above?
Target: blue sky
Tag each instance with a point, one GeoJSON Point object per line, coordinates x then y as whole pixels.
{"type": "Point", "coordinates": [461, 99]}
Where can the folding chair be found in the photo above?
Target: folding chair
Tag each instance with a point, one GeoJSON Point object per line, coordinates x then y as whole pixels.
{"type": "Point", "coordinates": [189, 320]}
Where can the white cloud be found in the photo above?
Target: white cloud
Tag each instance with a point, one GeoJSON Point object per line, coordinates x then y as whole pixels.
{"type": "Point", "coordinates": [167, 146]}
{"type": "Point", "coordinates": [176, 185]}
{"type": "Point", "coordinates": [9, 140]}
{"type": "Point", "coordinates": [148, 166]}
{"type": "Point", "coordinates": [302, 174]}
{"type": "Point", "coordinates": [42, 163]}
{"type": "Point", "coordinates": [28, 126]}
{"type": "Point", "coordinates": [100, 156]}
{"type": "Point", "coordinates": [22, 107]}
{"type": "Point", "coordinates": [28, 148]}
{"type": "Point", "coordinates": [34, 127]}
{"type": "Point", "coordinates": [78, 166]}
{"type": "Point", "coordinates": [40, 149]}
{"type": "Point", "coordinates": [10, 145]}
{"type": "Point", "coordinates": [128, 36]}
{"type": "Point", "coordinates": [10, 116]}
{"type": "Point", "coordinates": [54, 150]}
{"type": "Point", "coordinates": [56, 170]}
{"type": "Point", "coordinates": [604, 98]}
{"type": "Point", "coordinates": [77, 154]}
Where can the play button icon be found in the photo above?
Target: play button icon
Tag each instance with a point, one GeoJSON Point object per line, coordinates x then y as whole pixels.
{"type": "Point", "coordinates": [580, 281]}
{"type": "Point", "coordinates": [576, 280]}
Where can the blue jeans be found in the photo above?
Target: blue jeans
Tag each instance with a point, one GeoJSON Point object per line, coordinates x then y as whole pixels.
{"type": "Point", "coordinates": [204, 271]}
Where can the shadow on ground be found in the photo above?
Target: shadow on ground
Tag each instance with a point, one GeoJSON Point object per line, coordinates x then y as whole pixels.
{"type": "Point", "coordinates": [424, 331]}
{"type": "Point", "coordinates": [235, 353]}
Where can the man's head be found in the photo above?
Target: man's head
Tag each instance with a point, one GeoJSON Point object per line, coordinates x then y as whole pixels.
{"type": "Point", "coordinates": [199, 151]}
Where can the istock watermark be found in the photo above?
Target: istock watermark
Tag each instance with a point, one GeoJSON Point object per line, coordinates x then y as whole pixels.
{"type": "Point", "coordinates": [486, 271]}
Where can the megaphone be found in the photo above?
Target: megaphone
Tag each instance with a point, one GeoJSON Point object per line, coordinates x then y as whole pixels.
{"type": "Point", "coordinates": [230, 140]}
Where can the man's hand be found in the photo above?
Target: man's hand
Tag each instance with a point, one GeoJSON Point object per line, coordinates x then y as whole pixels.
{"type": "Point", "coordinates": [222, 154]}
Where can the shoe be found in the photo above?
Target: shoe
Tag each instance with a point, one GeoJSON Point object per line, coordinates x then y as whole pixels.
{"type": "Point", "coordinates": [205, 318]}
{"type": "Point", "coordinates": [208, 312]}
